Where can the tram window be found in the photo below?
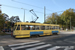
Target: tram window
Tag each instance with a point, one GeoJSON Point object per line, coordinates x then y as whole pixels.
{"type": "Point", "coordinates": [14, 27]}
{"type": "Point", "coordinates": [27, 27]}
{"type": "Point", "coordinates": [36, 27]}
{"type": "Point", "coordinates": [32, 27]}
{"type": "Point", "coordinates": [57, 27]}
{"type": "Point", "coordinates": [23, 27]}
{"type": "Point", "coordinates": [50, 27]}
{"type": "Point", "coordinates": [42, 27]}
{"type": "Point", "coordinates": [18, 27]}
{"type": "Point", "coordinates": [47, 27]}
{"type": "Point", "coordinates": [53, 27]}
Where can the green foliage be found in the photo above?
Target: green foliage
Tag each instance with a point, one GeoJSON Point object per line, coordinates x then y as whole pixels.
{"type": "Point", "coordinates": [63, 19]}
{"type": "Point", "coordinates": [8, 25]}
{"type": "Point", "coordinates": [52, 19]}
{"type": "Point", "coordinates": [0, 11]}
{"type": "Point", "coordinates": [1, 22]}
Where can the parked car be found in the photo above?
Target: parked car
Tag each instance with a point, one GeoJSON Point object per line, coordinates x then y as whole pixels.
{"type": "Point", "coordinates": [6, 30]}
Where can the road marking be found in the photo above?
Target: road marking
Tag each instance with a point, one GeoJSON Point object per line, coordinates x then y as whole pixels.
{"type": "Point", "coordinates": [23, 43]}
{"type": "Point", "coordinates": [65, 47]}
{"type": "Point", "coordinates": [54, 48]}
{"type": "Point", "coordinates": [39, 47]}
{"type": "Point", "coordinates": [69, 48]}
{"type": "Point", "coordinates": [14, 48]}
{"type": "Point", "coordinates": [1, 48]}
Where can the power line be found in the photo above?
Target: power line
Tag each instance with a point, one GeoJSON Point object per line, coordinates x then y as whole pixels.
{"type": "Point", "coordinates": [60, 11]}
{"type": "Point", "coordinates": [25, 9]}
{"type": "Point", "coordinates": [30, 5]}
{"type": "Point", "coordinates": [11, 6]}
{"type": "Point", "coordinates": [19, 8]}
{"type": "Point", "coordinates": [26, 4]}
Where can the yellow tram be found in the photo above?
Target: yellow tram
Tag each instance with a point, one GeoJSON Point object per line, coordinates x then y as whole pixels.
{"type": "Point", "coordinates": [22, 29]}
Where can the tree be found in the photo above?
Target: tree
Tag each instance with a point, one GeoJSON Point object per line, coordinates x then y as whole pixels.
{"type": "Point", "coordinates": [52, 19]}
{"type": "Point", "coordinates": [2, 21]}
{"type": "Point", "coordinates": [8, 24]}
{"type": "Point", "coordinates": [66, 15]}
{"type": "Point", "coordinates": [63, 19]}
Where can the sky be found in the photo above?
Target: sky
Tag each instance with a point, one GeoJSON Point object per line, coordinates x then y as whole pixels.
{"type": "Point", "coordinates": [13, 8]}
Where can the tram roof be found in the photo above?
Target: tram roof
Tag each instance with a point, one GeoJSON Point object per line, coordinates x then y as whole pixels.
{"type": "Point", "coordinates": [26, 23]}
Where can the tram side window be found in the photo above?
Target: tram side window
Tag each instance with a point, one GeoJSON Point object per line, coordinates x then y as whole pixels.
{"type": "Point", "coordinates": [18, 27]}
{"type": "Point", "coordinates": [27, 27]}
{"type": "Point", "coordinates": [42, 27]}
{"type": "Point", "coordinates": [23, 27]}
{"type": "Point", "coordinates": [36, 27]}
{"type": "Point", "coordinates": [32, 27]}
{"type": "Point", "coordinates": [57, 27]}
{"type": "Point", "coordinates": [53, 27]}
{"type": "Point", "coordinates": [50, 27]}
{"type": "Point", "coordinates": [47, 27]}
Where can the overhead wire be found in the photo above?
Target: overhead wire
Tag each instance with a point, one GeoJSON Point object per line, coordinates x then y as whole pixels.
{"type": "Point", "coordinates": [34, 6]}
{"type": "Point", "coordinates": [27, 9]}
{"type": "Point", "coordinates": [19, 8]}
{"type": "Point", "coordinates": [30, 5]}
{"type": "Point", "coordinates": [11, 6]}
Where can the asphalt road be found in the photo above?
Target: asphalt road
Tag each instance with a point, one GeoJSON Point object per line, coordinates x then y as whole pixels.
{"type": "Point", "coordinates": [62, 41]}
{"type": "Point", "coordinates": [8, 40]}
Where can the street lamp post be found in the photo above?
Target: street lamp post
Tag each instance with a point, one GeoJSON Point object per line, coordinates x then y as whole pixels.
{"type": "Point", "coordinates": [24, 14]}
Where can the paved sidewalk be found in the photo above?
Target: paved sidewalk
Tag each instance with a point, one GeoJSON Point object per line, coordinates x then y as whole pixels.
{"type": "Point", "coordinates": [67, 32]}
